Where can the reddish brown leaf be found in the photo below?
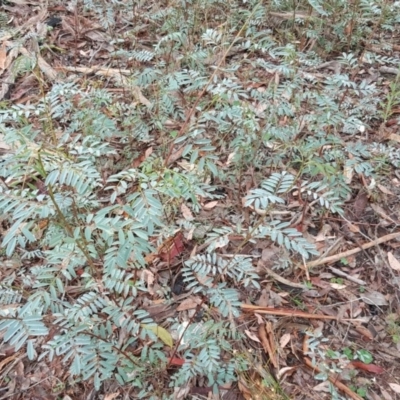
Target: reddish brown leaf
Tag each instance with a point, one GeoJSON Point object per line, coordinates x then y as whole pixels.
{"type": "Point", "coordinates": [173, 248]}
{"type": "Point", "coordinates": [176, 361]}
{"type": "Point", "coordinates": [360, 204]}
{"type": "Point", "coordinates": [391, 122]}
{"type": "Point", "coordinates": [365, 332]}
{"type": "Point", "coordinates": [375, 369]}
{"type": "Point", "coordinates": [138, 161]}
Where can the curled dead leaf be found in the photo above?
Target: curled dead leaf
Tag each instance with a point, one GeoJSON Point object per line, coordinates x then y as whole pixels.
{"type": "Point", "coordinates": [393, 261]}
{"type": "Point", "coordinates": [111, 396]}
{"type": "Point", "coordinates": [285, 371]}
{"type": "Point", "coordinates": [148, 277]}
{"type": "Point", "coordinates": [384, 189]}
{"type": "Point", "coordinates": [252, 336]}
{"type": "Point", "coordinates": [189, 304]}
{"type": "Point", "coordinates": [394, 137]}
{"type": "Point", "coordinates": [187, 214]}
{"type": "Point", "coordinates": [3, 57]}
{"type": "Point", "coordinates": [395, 387]}
{"type": "Point", "coordinates": [230, 158]}
{"type": "Point", "coordinates": [210, 205]}
{"type": "Point", "coordinates": [284, 340]}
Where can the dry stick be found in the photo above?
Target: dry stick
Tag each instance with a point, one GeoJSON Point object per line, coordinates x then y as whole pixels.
{"type": "Point", "coordinates": [347, 276]}
{"type": "Point", "coordinates": [292, 313]}
{"type": "Point", "coordinates": [347, 253]}
{"type": "Point", "coordinates": [284, 281]}
{"type": "Point", "coordinates": [262, 332]}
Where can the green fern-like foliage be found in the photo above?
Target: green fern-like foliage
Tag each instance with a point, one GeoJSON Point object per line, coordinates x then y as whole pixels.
{"type": "Point", "coordinates": [84, 216]}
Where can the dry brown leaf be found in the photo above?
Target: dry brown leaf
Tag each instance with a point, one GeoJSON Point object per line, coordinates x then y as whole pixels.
{"type": "Point", "coordinates": [137, 93]}
{"type": "Point", "coordinates": [259, 318]}
{"type": "Point", "coordinates": [3, 57]}
{"type": "Point", "coordinates": [267, 338]}
{"type": "Point", "coordinates": [187, 214]}
{"type": "Point", "coordinates": [395, 387]}
{"type": "Point", "coordinates": [210, 205]}
{"type": "Point", "coordinates": [348, 174]}
{"type": "Point", "coordinates": [260, 108]}
{"type": "Point", "coordinates": [338, 286]}
{"type": "Point", "coordinates": [360, 204]}
{"type": "Point", "coordinates": [148, 277]}
{"type": "Point", "coordinates": [194, 251]}
{"type": "Point", "coordinates": [252, 335]}
{"type": "Point", "coordinates": [385, 395]}
{"type": "Point", "coordinates": [43, 65]}
{"type": "Point", "coordinates": [372, 368]}
{"type": "Point", "coordinates": [393, 261]}
{"type": "Point", "coordinates": [181, 393]}
{"type": "Point", "coordinates": [190, 303]}
{"type": "Point", "coordinates": [97, 36]}
{"type": "Point", "coordinates": [33, 21]}
{"type": "Point", "coordinates": [12, 54]}
{"type": "Point", "coordinates": [384, 189]}
{"type": "Point", "coordinates": [323, 233]}
{"type": "Point", "coordinates": [189, 235]}
{"type": "Point", "coordinates": [374, 298]}
{"type": "Point", "coordinates": [270, 253]}
{"type": "Point", "coordinates": [284, 340]}
{"type": "Point", "coordinates": [22, 89]}
{"type": "Point", "coordinates": [394, 137]}
{"type": "Point", "coordinates": [379, 210]}
{"type": "Point", "coordinates": [230, 158]}
{"type": "Point", "coordinates": [138, 161]}
{"type": "Point", "coordinates": [322, 387]}
{"type": "Point", "coordinates": [176, 155]}
{"type": "Point", "coordinates": [8, 360]}
{"type": "Point", "coordinates": [364, 331]}
{"type": "Point", "coordinates": [111, 396]}
{"type": "Point", "coordinates": [283, 371]}
{"type": "Point", "coordinates": [263, 300]}
{"type": "Point", "coordinates": [5, 84]}
{"type": "Point", "coordinates": [353, 228]}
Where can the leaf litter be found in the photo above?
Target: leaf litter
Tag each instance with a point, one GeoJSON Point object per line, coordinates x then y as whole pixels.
{"type": "Point", "coordinates": [350, 303]}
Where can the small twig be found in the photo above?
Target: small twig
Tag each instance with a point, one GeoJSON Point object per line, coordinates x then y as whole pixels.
{"type": "Point", "coordinates": [332, 247]}
{"type": "Point", "coordinates": [268, 342]}
{"type": "Point", "coordinates": [389, 70]}
{"type": "Point", "coordinates": [292, 313]}
{"type": "Point", "coordinates": [96, 70]}
{"type": "Point", "coordinates": [284, 281]}
{"type": "Point", "coordinates": [347, 253]}
{"type": "Point", "coordinates": [307, 270]}
{"type": "Point", "coordinates": [347, 276]}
